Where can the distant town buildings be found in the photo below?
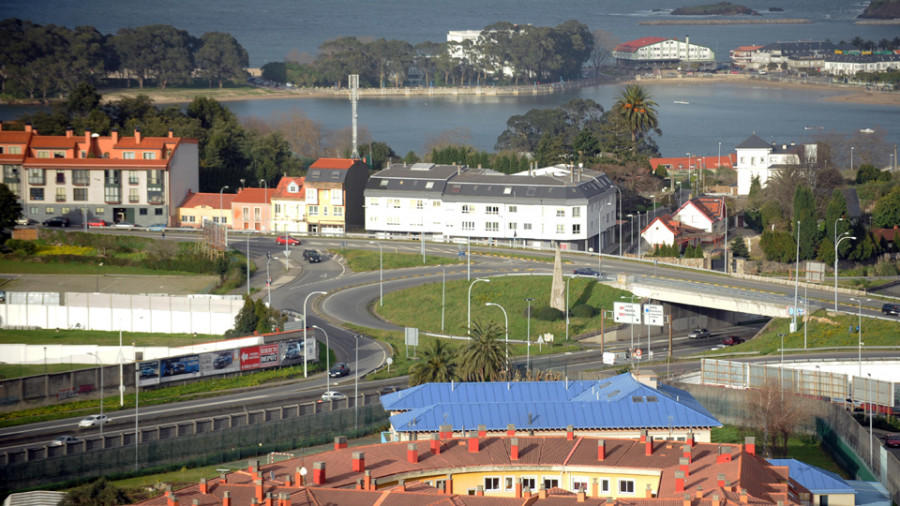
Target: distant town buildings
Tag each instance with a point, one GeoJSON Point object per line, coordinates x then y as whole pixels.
{"type": "Point", "coordinates": [660, 53]}
{"type": "Point", "coordinates": [818, 56]}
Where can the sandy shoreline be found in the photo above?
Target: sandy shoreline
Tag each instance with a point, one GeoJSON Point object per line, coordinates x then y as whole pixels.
{"type": "Point", "coordinates": [844, 93]}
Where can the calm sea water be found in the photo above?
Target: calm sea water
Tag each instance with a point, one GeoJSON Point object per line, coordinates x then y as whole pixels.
{"type": "Point", "coordinates": [270, 29]}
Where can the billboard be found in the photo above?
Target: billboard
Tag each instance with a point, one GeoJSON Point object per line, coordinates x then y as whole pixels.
{"type": "Point", "coordinates": [219, 362]}
{"type": "Point", "coordinates": [175, 368]}
{"type": "Point", "coordinates": [259, 357]}
{"type": "Point", "coordinates": [149, 373]}
{"type": "Point", "coordinates": [626, 312]}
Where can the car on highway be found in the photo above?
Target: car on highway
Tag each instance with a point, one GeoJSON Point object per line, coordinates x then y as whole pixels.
{"type": "Point", "coordinates": [157, 227]}
{"type": "Point", "coordinates": [388, 390]}
{"type": "Point", "coordinates": [56, 221]}
{"type": "Point", "coordinates": [312, 256]}
{"type": "Point", "coordinates": [891, 309]}
{"type": "Point", "coordinates": [124, 224]}
{"type": "Point", "coordinates": [98, 223]}
{"type": "Point", "coordinates": [338, 370]}
{"type": "Point", "coordinates": [286, 239]}
{"type": "Point", "coordinates": [698, 334]}
{"type": "Point", "coordinates": [892, 440]}
{"type": "Point", "coordinates": [64, 440]}
{"type": "Point", "coordinates": [586, 271]}
{"type": "Point", "coordinates": [732, 340]}
{"type": "Point", "coordinates": [332, 396]}
{"type": "Point", "coordinates": [93, 420]}
{"type": "Point", "coordinates": [223, 360]}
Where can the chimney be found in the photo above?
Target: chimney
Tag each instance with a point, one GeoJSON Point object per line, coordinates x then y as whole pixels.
{"type": "Point", "coordinates": [643, 435]}
{"type": "Point", "coordinates": [448, 485]}
{"type": "Point", "coordinates": [204, 489]}
{"type": "Point", "coordinates": [542, 491]}
{"type": "Point", "coordinates": [580, 496]}
{"type": "Point", "coordinates": [511, 429]}
{"type": "Point", "coordinates": [750, 445]}
{"type": "Point", "coordinates": [679, 481]}
{"type": "Point", "coordinates": [269, 499]}
{"type": "Point", "coordinates": [359, 462]}
{"type": "Point", "coordinates": [519, 488]}
{"type": "Point", "coordinates": [687, 500]}
{"type": "Point", "coordinates": [570, 433]}
{"type": "Point", "coordinates": [137, 135]}
{"type": "Point", "coordinates": [601, 452]}
{"type": "Point", "coordinates": [595, 490]}
{"type": "Point", "coordinates": [435, 444]}
{"type": "Point", "coordinates": [514, 449]}
{"type": "Point", "coordinates": [648, 447]}
{"type": "Point", "coordinates": [287, 480]}
{"type": "Point", "coordinates": [226, 498]}
{"type": "Point", "coordinates": [412, 453]}
{"type": "Point", "coordinates": [195, 502]}
{"type": "Point", "coordinates": [171, 133]}
{"type": "Point", "coordinates": [699, 492]}
{"type": "Point", "coordinates": [715, 499]}
{"type": "Point", "coordinates": [115, 135]}
{"type": "Point", "coordinates": [686, 452]}
{"type": "Point", "coordinates": [87, 138]}
{"type": "Point", "coordinates": [28, 129]}
{"type": "Point", "coordinates": [172, 500]}
{"type": "Point", "coordinates": [252, 466]}
{"type": "Point", "coordinates": [724, 455]}
{"type": "Point", "coordinates": [340, 442]}
{"type": "Point", "coordinates": [446, 431]}
{"type": "Point", "coordinates": [298, 477]}
{"type": "Point", "coordinates": [318, 473]}
{"type": "Point", "coordinates": [69, 132]}
{"type": "Point", "coordinates": [690, 439]}
{"type": "Point", "coordinates": [367, 480]}
{"type": "Point", "coordinates": [479, 491]}
{"type": "Point", "coordinates": [744, 498]}
{"type": "Point", "coordinates": [648, 493]}
{"type": "Point", "coordinates": [473, 442]}
{"type": "Point", "coordinates": [526, 493]}
{"type": "Point", "coordinates": [359, 484]}
{"type": "Point", "coordinates": [684, 465]}
{"type": "Point", "coordinates": [720, 480]}
{"type": "Point", "coordinates": [259, 490]}
{"type": "Point", "coordinates": [402, 484]}
{"type": "Point", "coordinates": [482, 431]}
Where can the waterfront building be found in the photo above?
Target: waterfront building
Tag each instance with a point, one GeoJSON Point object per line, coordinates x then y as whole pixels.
{"type": "Point", "coordinates": [796, 56]}
{"type": "Point", "coordinates": [289, 206]}
{"type": "Point", "coordinates": [757, 158]}
{"type": "Point", "coordinates": [334, 189]}
{"type": "Point", "coordinates": [565, 205]}
{"type": "Point", "coordinates": [742, 56]}
{"type": "Point", "coordinates": [849, 64]}
{"type": "Point", "coordinates": [139, 180]}
{"type": "Point", "coordinates": [660, 52]}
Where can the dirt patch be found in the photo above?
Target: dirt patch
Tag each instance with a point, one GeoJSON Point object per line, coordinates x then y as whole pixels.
{"type": "Point", "coordinates": [172, 285]}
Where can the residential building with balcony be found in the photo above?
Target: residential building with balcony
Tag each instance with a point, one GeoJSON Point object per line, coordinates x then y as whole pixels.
{"type": "Point", "coordinates": [289, 206]}
{"type": "Point", "coordinates": [334, 192]}
{"type": "Point", "coordinates": [200, 207]}
{"type": "Point", "coordinates": [251, 209]}
{"type": "Point", "coordinates": [137, 179]}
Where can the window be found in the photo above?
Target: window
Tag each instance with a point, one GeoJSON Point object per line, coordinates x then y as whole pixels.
{"type": "Point", "coordinates": [36, 193]}
{"type": "Point", "coordinates": [419, 204]}
{"type": "Point", "coordinates": [513, 209]}
{"type": "Point", "coordinates": [277, 208]}
{"type": "Point", "coordinates": [112, 177]}
{"type": "Point", "coordinates": [133, 177]}
{"type": "Point", "coordinates": [15, 150]}
{"type": "Point", "coordinates": [509, 483]}
{"type": "Point", "coordinates": [507, 190]}
{"type": "Point", "coordinates": [312, 210]}
{"type": "Point", "coordinates": [560, 229]}
{"type": "Point", "coordinates": [60, 177]}
{"type": "Point", "coordinates": [529, 483]}
{"type": "Point", "coordinates": [576, 212]}
{"type": "Point", "coordinates": [576, 229]}
{"type": "Point", "coordinates": [112, 194]}
{"type": "Point", "coordinates": [149, 155]}
{"type": "Point", "coordinates": [560, 213]}
{"type": "Point", "coordinates": [373, 202]}
{"type": "Point", "coordinates": [440, 484]}
{"type": "Point", "coordinates": [79, 194]}
{"type": "Point", "coordinates": [133, 196]}
{"type": "Point", "coordinates": [59, 154]}
{"type": "Point", "coordinates": [100, 211]}
{"type": "Point", "coordinates": [187, 219]}
{"type": "Point", "coordinates": [512, 226]}
{"type": "Point", "coordinates": [128, 155]}
{"type": "Point", "coordinates": [257, 214]}
{"type": "Point", "coordinates": [492, 226]}
{"type": "Point", "coordinates": [626, 486]}
{"type": "Point", "coordinates": [395, 203]}
{"type": "Point", "coordinates": [823, 500]}
{"type": "Point", "coordinates": [429, 185]}
{"type": "Point", "coordinates": [550, 482]}
{"type": "Point", "coordinates": [60, 194]}
{"type": "Point", "coordinates": [35, 176]}
{"type": "Point", "coordinates": [49, 210]}
{"type": "Point", "coordinates": [493, 210]}
{"type": "Point", "coordinates": [579, 483]}
{"type": "Point", "coordinates": [492, 484]}
{"type": "Point", "coordinates": [81, 177]}
{"type": "Point", "coordinates": [466, 209]}
{"type": "Point", "coordinates": [43, 154]}
{"type": "Point", "coordinates": [338, 212]}
{"type": "Point", "coordinates": [393, 221]}
{"type": "Point", "coordinates": [526, 226]}
{"type": "Point", "coordinates": [142, 211]}
{"type": "Point", "coordinates": [34, 210]}
{"type": "Point", "coordinates": [468, 225]}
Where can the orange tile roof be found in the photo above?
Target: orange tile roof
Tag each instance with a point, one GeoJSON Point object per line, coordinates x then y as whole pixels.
{"type": "Point", "coordinates": [254, 195]}
{"type": "Point", "coordinates": [678, 229]}
{"type": "Point", "coordinates": [633, 45]}
{"type": "Point", "coordinates": [95, 163]}
{"type": "Point", "coordinates": [281, 190]}
{"type": "Point", "coordinates": [210, 200]}
{"type": "Point", "coordinates": [14, 137]}
{"type": "Point", "coordinates": [54, 141]}
{"type": "Point", "coordinates": [695, 162]}
{"type": "Point", "coordinates": [333, 163]}
{"type": "Point", "coordinates": [387, 463]}
{"type": "Point", "coordinates": [146, 142]}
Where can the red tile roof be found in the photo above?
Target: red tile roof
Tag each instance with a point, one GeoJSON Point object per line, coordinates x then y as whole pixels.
{"type": "Point", "coordinates": [695, 162]}
{"type": "Point", "coordinates": [146, 142]}
{"type": "Point", "coordinates": [14, 137]}
{"type": "Point", "coordinates": [254, 195]}
{"type": "Point", "coordinates": [711, 207]}
{"type": "Point", "coordinates": [678, 229]}
{"type": "Point", "coordinates": [95, 163]}
{"type": "Point", "coordinates": [210, 200]}
{"type": "Point", "coordinates": [282, 193]}
{"type": "Point", "coordinates": [333, 163]}
{"type": "Point", "coordinates": [387, 464]}
{"type": "Point", "coordinates": [54, 142]}
{"type": "Point", "coordinates": [634, 45]}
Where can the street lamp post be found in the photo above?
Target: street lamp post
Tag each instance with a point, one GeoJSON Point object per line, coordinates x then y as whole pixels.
{"type": "Point", "coordinates": [725, 243]}
{"type": "Point", "coordinates": [796, 280]}
{"type": "Point", "coordinates": [443, 295]}
{"type": "Point", "coordinates": [851, 157]}
{"type": "Point", "coordinates": [567, 306]}
{"type": "Point", "coordinates": [356, 389]}
{"type": "Point", "coordinates": [224, 215]}
{"type": "Point", "coordinates": [781, 369]}
{"type": "Point", "coordinates": [869, 409]}
{"type": "Point", "coordinates": [265, 197]}
{"type": "Point", "coordinates": [269, 281]}
{"type": "Point", "coordinates": [506, 323]}
{"type": "Point", "coordinates": [619, 216]}
{"type": "Point", "coordinates": [529, 300]}
{"type": "Point", "coordinates": [631, 234]}
{"type": "Point", "coordinates": [859, 334]}
{"type": "Point", "coordinates": [137, 432]}
{"type": "Point", "coordinates": [719, 159]}
{"type": "Point", "coordinates": [248, 264]}
{"type": "Point", "coordinates": [836, 244]}
{"type": "Point", "coordinates": [327, 359]}
{"type": "Point", "coordinates": [97, 356]}
{"type": "Point", "coordinates": [631, 352]}
{"type": "Point", "coordinates": [469, 312]}
{"type": "Point", "coordinates": [305, 320]}
{"type": "Point", "coordinates": [380, 274]}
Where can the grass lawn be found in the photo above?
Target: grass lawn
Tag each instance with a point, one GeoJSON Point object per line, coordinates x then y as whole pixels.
{"type": "Point", "coordinates": [365, 260]}
{"type": "Point", "coordinates": [16, 267]}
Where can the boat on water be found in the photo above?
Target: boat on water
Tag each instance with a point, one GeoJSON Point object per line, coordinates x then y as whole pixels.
{"type": "Point", "coordinates": [681, 102]}
{"type": "Point", "coordinates": [866, 131]}
{"type": "Point", "coordinates": [813, 128]}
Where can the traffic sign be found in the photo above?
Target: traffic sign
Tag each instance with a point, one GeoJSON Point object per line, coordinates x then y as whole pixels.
{"type": "Point", "coordinates": [638, 353]}
{"type": "Point", "coordinates": [653, 315]}
{"type": "Point", "coordinates": [626, 312]}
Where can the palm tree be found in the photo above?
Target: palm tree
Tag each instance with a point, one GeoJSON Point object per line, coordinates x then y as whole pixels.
{"type": "Point", "coordinates": [483, 357]}
{"type": "Point", "coordinates": [639, 111]}
{"type": "Point", "coordinates": [437, 364]}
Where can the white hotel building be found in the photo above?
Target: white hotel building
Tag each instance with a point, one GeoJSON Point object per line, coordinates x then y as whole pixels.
{"type": "Point", "coordinates": [538, 208]}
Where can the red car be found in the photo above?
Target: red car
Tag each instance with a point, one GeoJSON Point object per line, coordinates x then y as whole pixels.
{"type": "Point", "coordinates": [98, 223]}
{"type": "Point", "coordinates": [892, 440]}
{"type": "Point", "coordinates": [732, 340]}
{"type": "Point", "coordinates": [290, 241]}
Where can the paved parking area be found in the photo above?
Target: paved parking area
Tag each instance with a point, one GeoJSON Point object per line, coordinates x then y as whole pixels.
{"type": "Point", "coordinates": [106, 283]}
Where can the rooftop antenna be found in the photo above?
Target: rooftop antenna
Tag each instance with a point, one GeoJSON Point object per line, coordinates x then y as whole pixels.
{"type": "Point", "coordinates": [353, 83]}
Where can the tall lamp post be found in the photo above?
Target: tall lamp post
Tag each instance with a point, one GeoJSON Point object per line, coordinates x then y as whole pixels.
{"type": "Point", "coordinates": [356, 388]}
{"type": "Point", "coordinates": [529, 300]}
{"type": "Point", "coordinates": [224, 216]}
{"type": "Point", "coordinates": [97, 356]}
{"type": "Point", "coordinates": [506, 322]}
{"type": "Point", "coordinates": [269, 281]}
{"type": "Point", "coordinates": [851, 157]}
{"type": "Point", "coordinates": [567, 306]}
{"type": "Point", "coordinates": [305, 320]}
{"type": "Point", "coordinates": [796, 281]}
{"type": "Point", "coordinates": [619, 216]}
{"type": "Point", "coordinates": [859, 334]}
{"type": "Point", "coordinates": [631, 238]}
{"type": "Point", "coordinates": [327, 359]}
{"type": "Point", "coordinates": [631, 352]}
{"type": "Point", "coordinates": [836, 244]}
{"type": "Point", "coordinates": [869, 409]}
{"type": "Point", "coordinates": [469, 312]}
{"type": "Point", "coordinates": [265, 197]}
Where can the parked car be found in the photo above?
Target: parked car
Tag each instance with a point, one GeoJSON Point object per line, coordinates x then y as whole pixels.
{"type": "Point", "coordinates": [332, 396]}
{"type": "Point", "coordinates": [892, 440]}
{"type": "Point", "coordinates": [698, 334]}
{"type": "Point", "coordinates": [57, 221]}
{"type": "Point", "coordinates": [98, 223]}
{"type": "Point", "coordinates": [732, 340]}
{"type": "Point", "coordinates": [2, 295]}
{"type": "Point", "coordinates": [124, 224]}
{"type": "Point", "coordinates": [64, 440]}
{"type": "Point", "coordinates": [223, 360]}
{"type": "Point", "coordinates": [890, 309]}
{"type": "Point", "coordinates": [93, 420]}
{"type": "Point", "coordinates": [157, 227]}
{"type": "Point", "coordinates": [586, 271]}
{"type": "Point", "coordinates": [338, 370]}
{"type": "Point", "coordinates": [388, 390]}
{"type": "Point", "coordinates": [286, 239]}
{"type": "Point", "coordinates": [312, 256]}
{"type": "Point", "coordinates": [25, 221]}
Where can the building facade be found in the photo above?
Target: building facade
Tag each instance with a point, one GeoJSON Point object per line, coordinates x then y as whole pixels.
{"type": "Point", "coordinates": [251, 210]}
{"type": "Point", "coordinates": [289, 206]}
{"type": "Point", "coordinates": [200, 207]}
{"type": "Point", "coordinates": [660, 52]}
{"type": "Point", "coordinates": [334, 194]}
{"type": "Point", "coordinates": [140, 180]}
{"type": "Point", "coordinates": [757, 158]}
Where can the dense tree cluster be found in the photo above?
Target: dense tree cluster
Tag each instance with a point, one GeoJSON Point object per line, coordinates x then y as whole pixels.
{"type": "Point", "coordinates": [38, 61]}
{"type": "Point", "coordinates": [504, 53]}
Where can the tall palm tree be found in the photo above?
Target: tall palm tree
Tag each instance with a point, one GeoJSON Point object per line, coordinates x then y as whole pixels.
{"type": "Point", "coordinates": [437, 365]}
{"type": "Point", "coordinates": [639, 110]}
{"type": "Point", "coordinates": [483, 357]}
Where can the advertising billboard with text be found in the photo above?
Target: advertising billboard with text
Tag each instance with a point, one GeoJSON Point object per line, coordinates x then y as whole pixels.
{"type": "Point", "coordinates": [259, 357]}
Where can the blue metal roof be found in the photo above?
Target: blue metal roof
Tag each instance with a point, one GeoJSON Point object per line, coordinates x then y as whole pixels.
{"type": "Point", "coordinates": [620, 402]}
{"type": "Point", "coordinates": [816, 480]}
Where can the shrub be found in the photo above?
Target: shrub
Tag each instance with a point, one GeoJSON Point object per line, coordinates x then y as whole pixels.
{"type": "Point", "coordinates": [583, 311]}
{"type": "Point", "coordinates": [548, 314]}
{"type": "Point", "coordinates": [22, 247]}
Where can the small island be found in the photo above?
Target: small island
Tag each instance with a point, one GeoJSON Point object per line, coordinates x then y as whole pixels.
{"type": "Point", "coordinates": [882, 9]}
{"type": "Point", "coordinates": [719, 9]}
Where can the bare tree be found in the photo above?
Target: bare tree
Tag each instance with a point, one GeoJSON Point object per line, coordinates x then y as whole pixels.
{"type": "Point", "coordinates": [776, 414]}
{"type": "Point", "coordinates": [306, 137]}
{"type": "Point", "coordinates": [604, 43]}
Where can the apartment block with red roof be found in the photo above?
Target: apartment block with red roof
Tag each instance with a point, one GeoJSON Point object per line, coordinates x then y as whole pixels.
{"type": "Point", "coordinates": [661, 52]}
{"type": "Point", "coordinates": [136, 179]}
{"type": "Point", "coordinates": [515, 469]}
{"type": "Point", "coordinates": [289, 205]}
{"type": "Point", "coordinates": [335, 194]}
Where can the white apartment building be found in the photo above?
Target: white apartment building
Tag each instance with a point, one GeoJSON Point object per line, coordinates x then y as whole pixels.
{"type": "Point", "coordinates": [758, 158]}
{"type": "Point", "coordinates": [289, 206]}
{"type": "Point", "coordinates": [555, 205]}
{"type": "Point", "coordinates": [659, 52]}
